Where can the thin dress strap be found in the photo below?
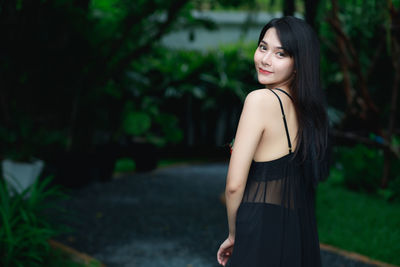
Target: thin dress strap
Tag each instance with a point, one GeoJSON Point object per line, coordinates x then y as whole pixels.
{"type": "Point", "coordinates": [284, 93]}
{"type": "Point", "coordinates": [284, 118]}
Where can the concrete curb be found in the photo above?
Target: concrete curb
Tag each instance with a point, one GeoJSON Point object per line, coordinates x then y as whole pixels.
{"type": "Point", "coordinates": [354, 256]}
{"type": "Point", "coordinates": [75, 255]}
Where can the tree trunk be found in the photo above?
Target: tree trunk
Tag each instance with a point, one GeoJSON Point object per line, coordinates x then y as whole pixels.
{"type": "Point", "coordinates": [221, 127]}
{"type": "Point", "coordinates": [189, 121]}
{"type": "Point", "coordinates": [311, 7]}
{"type": "Point", "coordinates": [288, 8]}
{"type": "Point", "coordinates": [359, 103]}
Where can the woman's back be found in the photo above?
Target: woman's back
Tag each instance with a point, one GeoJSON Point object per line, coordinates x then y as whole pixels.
{"type": "Point", "coordinates": [273, 142]}
{"type": "Point", "coordinates": [279, 155]}
{"type": "Point", "coordinates": [275, 223]}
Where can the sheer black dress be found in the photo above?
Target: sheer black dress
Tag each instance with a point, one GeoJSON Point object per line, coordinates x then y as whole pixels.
{"type": "Point", "coordinates": [275, 222]}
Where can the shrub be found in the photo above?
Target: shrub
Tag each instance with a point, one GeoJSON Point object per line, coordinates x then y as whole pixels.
{"type": "Point", "coordinates": [24, 230]}
{"type": "Point", "coordinates": [361, 169]}
{"type": "Point", "coordinates": [394, 188]}
{"type": "Point", "coordinates": [361, 166]}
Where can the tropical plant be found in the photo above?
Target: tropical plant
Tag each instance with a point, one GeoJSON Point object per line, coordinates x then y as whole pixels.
{"type": "Point", "coordinates": [23, 141]}
{"type": "Point", "coordinates": [24, 228]}
{"type": "Point", "coordinates": [150, 124]}
{"type": "Point", "coordinates": [361, 167]}
{"type": "Point", "coordinates": [360, 170]}
{"type": "Point", "coordinates": [203, 89]}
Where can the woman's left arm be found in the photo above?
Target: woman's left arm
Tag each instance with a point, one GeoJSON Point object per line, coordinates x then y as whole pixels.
{"type": "Point", "coordinates": [248, 135]}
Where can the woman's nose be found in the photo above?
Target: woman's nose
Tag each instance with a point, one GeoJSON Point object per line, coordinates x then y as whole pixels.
{"type": "Point", "coordinates": [266, 60]}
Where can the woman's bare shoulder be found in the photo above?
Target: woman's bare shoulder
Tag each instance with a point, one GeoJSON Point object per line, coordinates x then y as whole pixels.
{"type": "Point", "coordinates": [262, 99]}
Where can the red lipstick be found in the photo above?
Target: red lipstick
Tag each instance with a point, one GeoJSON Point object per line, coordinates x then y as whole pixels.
{"type": "Point", "coordinates": [264, 71]}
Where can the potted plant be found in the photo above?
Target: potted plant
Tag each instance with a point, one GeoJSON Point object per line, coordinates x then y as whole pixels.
{"type": "Point", "coordinates": [21, 166]}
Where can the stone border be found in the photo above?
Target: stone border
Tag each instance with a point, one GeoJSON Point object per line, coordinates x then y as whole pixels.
{"type": "Point", "coordinates": [75, 255]}
{"type": "Point", "coordinates": [354, 256]}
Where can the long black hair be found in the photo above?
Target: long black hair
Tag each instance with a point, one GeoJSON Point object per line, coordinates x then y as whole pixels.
{"type": "Point", "coordinates": [300, 41]}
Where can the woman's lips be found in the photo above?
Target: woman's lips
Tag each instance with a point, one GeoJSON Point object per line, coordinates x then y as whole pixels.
{"type": "Point", "coordinates": [264, 71]}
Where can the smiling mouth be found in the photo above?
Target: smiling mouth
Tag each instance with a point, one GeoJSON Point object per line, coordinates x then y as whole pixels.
{"type": "Point", "coordinates": [264, 71]}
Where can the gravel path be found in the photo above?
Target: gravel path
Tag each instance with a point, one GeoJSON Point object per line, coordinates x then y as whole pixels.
{"type": "Point", "coordinates": [170, 217]}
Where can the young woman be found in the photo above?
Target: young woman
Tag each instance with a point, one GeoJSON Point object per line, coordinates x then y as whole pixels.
{"type": "Point", "coordinates": [279, 155]}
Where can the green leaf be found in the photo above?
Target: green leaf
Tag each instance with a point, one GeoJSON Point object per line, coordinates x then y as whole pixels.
{"type": "Point", "coordinates": [136, 123]}
{"type": "Point", "coordinates": [24, 232]}
{"type": "Point", "coordinates": [18, 5]}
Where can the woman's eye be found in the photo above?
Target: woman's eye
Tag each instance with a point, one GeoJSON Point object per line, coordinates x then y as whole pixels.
{"type": "Point", "coordinates": [263, 47]}
{"type": "Point", "coordinates": [281, 54]}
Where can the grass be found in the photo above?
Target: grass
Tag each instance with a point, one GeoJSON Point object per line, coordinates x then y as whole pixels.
{"type": "Point", "coordinates": [358, 222]}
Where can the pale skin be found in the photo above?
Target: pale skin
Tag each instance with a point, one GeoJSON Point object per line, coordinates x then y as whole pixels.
{"type": "Point", "coordinates": [260, 135]}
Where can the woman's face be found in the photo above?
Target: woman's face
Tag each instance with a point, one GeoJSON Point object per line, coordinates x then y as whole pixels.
{"type": "Point", "coordinates": [274, 66]}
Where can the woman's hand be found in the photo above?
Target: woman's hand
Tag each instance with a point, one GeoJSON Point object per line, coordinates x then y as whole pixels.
{"type": "Point", "coordinates": [225, 250]}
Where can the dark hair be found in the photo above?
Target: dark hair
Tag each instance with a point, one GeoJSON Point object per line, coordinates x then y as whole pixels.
{"type": "Point", "coordinates": [300, 41]}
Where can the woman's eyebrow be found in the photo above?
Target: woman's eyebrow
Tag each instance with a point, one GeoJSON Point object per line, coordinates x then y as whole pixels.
{"type": "Point", "coordinates": [277, 47]}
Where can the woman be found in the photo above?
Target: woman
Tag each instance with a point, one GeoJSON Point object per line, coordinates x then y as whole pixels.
{"type": "Point", "coordinates": [279, 155]}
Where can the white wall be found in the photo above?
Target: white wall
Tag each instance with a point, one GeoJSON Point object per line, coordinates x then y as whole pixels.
{"type": "Point", "coordinates": [230, 30]}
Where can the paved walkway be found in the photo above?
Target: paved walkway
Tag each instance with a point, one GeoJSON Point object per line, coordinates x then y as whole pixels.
{"type": "Point", "coordinates": [170, 217]}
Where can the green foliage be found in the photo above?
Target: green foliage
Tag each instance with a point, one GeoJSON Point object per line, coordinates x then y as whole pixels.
{"type": "Point", "coordinates": [361, 166]}
{"type": "Point", "coordinates": [147, 121]}
{"type": "Point", "coordinates": [364, 23]}
{"type": "Point", "coordinates": [95, 42]}
{"type": "Point", "coordinates": [22, 142]}
{"type": "Point", "coordinates": [136, 123]}
{"type": "Point", "coordinates": [218, 74]}
{"type": "Point", "coordinates": [360, 169]}
{"type": "Point", "coordinates": [24, 230]}
{"type": "Point", "coordinates": [265, 5]}
{"type": "Point", "coordinates": [182, 83]}
{"type": "Point", "coordinates": [360, 19]}
{"type": "Point", "coordinates": [393, 191]}
{"type": "Point", "coordinates": [169, 126]}
{"type": "Point", "coordinates": [125, 165]}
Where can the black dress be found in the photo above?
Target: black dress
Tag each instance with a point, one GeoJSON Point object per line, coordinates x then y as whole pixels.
{"type": "Point", "coordinates": [275, 222]}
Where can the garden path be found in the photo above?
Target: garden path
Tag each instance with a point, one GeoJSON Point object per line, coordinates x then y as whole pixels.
{"type": "Point", "coordinates": [170, 217]}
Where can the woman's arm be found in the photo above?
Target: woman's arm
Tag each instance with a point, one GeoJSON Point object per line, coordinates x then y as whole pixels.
{"type": "Point", "coordinates": [247, 137]}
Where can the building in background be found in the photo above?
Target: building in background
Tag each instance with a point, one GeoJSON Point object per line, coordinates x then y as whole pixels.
{"type": "Point", "coordinates": [232, 27]}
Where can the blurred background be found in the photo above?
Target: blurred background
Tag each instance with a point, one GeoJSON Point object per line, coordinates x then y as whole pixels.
{"type": "Point", "coordinates": [91, 89]}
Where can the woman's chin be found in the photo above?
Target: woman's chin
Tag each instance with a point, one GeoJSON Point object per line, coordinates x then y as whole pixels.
{"type": "Point", "coordinates": [265, 83]}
